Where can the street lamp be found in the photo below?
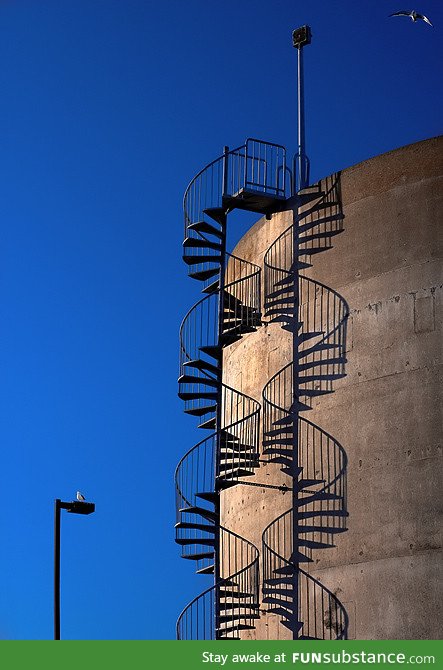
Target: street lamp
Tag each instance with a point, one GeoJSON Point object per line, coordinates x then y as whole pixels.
{"type": "Point", "coordinates": [74, 507]}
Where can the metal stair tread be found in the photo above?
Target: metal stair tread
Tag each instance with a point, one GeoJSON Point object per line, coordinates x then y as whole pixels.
{"type": "Point", "coordinates": [203, 275]}
{"type": "Point", "coordinates": [197, 526]}
{"type": "Point", "coordinates": [199, 556]}
{"type": "Point", "coordinates": [200, 243]}
{"type": "Point", "coordinates": [199, 259]}
{"type": "Point", "coordinates": [202, 511]}
{"type": "Point", "coordinates": [200, 411]}
{"type": "Point", "coordinates": [201, 364]}
{"type": "Point", "coordinates": [193, 379]}
{"type": "Point", "coordinates": [207, 570]}
{"type": "Point", "coordinates": [204, 541]}
{"type": "Point", "coordinates": [205, 227]}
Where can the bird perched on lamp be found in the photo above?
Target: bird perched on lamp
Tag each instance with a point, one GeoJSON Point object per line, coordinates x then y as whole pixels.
{"type": "Point", "coordinates": [413, 15]}
{"type": "Point", "coordinates": [80, 497]}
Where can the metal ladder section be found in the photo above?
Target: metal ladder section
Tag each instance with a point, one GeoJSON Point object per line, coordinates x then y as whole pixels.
{"type": "Point", "coordinates": [316, 317]}
{"type": "Point", "coordinates": [252, 177]}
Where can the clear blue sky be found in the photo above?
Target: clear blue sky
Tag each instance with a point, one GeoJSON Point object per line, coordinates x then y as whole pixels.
{"type": "Point", "coordinates": [108, 108]}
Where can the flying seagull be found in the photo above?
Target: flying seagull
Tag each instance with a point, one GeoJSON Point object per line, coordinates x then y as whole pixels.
{"type": "Point", "coordinates": [80, 496]}
{"type": "Point", "coordinates": [413, 15]}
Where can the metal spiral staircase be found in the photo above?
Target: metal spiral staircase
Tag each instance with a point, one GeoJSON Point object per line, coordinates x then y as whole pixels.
{"type": "Point", "coordinates": [316, 317]}
{"type": "Point", "coordinates": [251, 177]}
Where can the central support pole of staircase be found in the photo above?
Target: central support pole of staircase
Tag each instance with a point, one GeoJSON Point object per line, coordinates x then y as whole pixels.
{"type": "Point", "coordinates": [219, 414]}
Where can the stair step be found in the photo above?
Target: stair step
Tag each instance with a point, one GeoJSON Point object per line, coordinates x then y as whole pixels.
{"type": "Point", "coordinates": [197, 526]}
{"type": "Point", "coordinates": [201, 411]}
{"type": "Point", "coordinates": [210, 423]}
{"type": "Point", "coordinates": [212, 350]}
{"type": "Point", "coordinates": [205, 541]}
{"type": "Point", "coordinates": [203, 275]}
{"type": "Point", "coordinates": [205, 227]}
{"type": "Point", "coordinates": [197, 396]}
{"type": "Point", "coordinates": [217, 214]}
{"type": "Point", "coordinates": [193, 379]}
{"type": "Point", "coordinates": [212, 288]}
{"type": "Point", "coordinates": [204, 258]}
{"type": "Point", "coordinates": [198, 243]}
{"type": "Point", "coordinates": [199, 556]}
{"type": "Point", "coordinates": [209, 496]}
{"type": "Point", "coordinates": [208, 570]}
{"type": "Point", "coordinates": [201, 364]}
{"type": "Point", "coordinates": [202, 511]}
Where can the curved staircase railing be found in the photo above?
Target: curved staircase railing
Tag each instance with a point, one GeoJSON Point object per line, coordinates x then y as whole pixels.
{"type": "Point", "coordinates": [234, 598]}
{"type": "Point", "coordinates": [316, 317]}
{"type": "Point", "coordinates": [254, 177]}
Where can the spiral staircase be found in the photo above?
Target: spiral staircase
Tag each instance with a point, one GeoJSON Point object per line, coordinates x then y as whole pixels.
{"type": "Point", "coordinates": [251, 177]}
{"type": "Point", "coordinates": [316, 317]}
{"type": "Point", "coordinates": [254, 177]}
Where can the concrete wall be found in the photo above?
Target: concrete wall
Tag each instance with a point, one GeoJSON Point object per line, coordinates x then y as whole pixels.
{"type": "Point", "coordinates": [386, 412]}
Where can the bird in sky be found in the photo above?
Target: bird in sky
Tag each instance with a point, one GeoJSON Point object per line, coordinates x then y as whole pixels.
{"type": "Point", "coordinates": [80, 497]}
{"type": "Point", "coordinates": [414, 16]}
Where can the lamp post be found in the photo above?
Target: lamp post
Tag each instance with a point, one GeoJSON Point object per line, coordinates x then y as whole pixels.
{"type": "Point", "coordinates": [300, 38]}
{"type": "Point", "coordinates": [74, 507]}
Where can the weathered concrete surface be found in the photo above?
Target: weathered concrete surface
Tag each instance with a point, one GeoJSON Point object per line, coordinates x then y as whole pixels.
{"type": "Point", "coordinates": [386, 412]}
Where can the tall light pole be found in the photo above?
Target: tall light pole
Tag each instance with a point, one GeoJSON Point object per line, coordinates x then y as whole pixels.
{"type": "Point", "coordinates": [74, 507]}
{"type": "Point", "coordinates": [300, 38]}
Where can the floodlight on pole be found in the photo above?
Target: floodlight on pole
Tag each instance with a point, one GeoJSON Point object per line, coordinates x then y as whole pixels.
{"type": "Point", "coordinates": [300, 38]}
{"type": "Point", "coordinates": [73, 507]}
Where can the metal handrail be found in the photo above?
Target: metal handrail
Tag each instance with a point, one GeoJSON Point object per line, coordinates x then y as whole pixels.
{"type": "Point", "coordinates": [240, 576]}
{"type": "Point", "coordinates": [237, 160]}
